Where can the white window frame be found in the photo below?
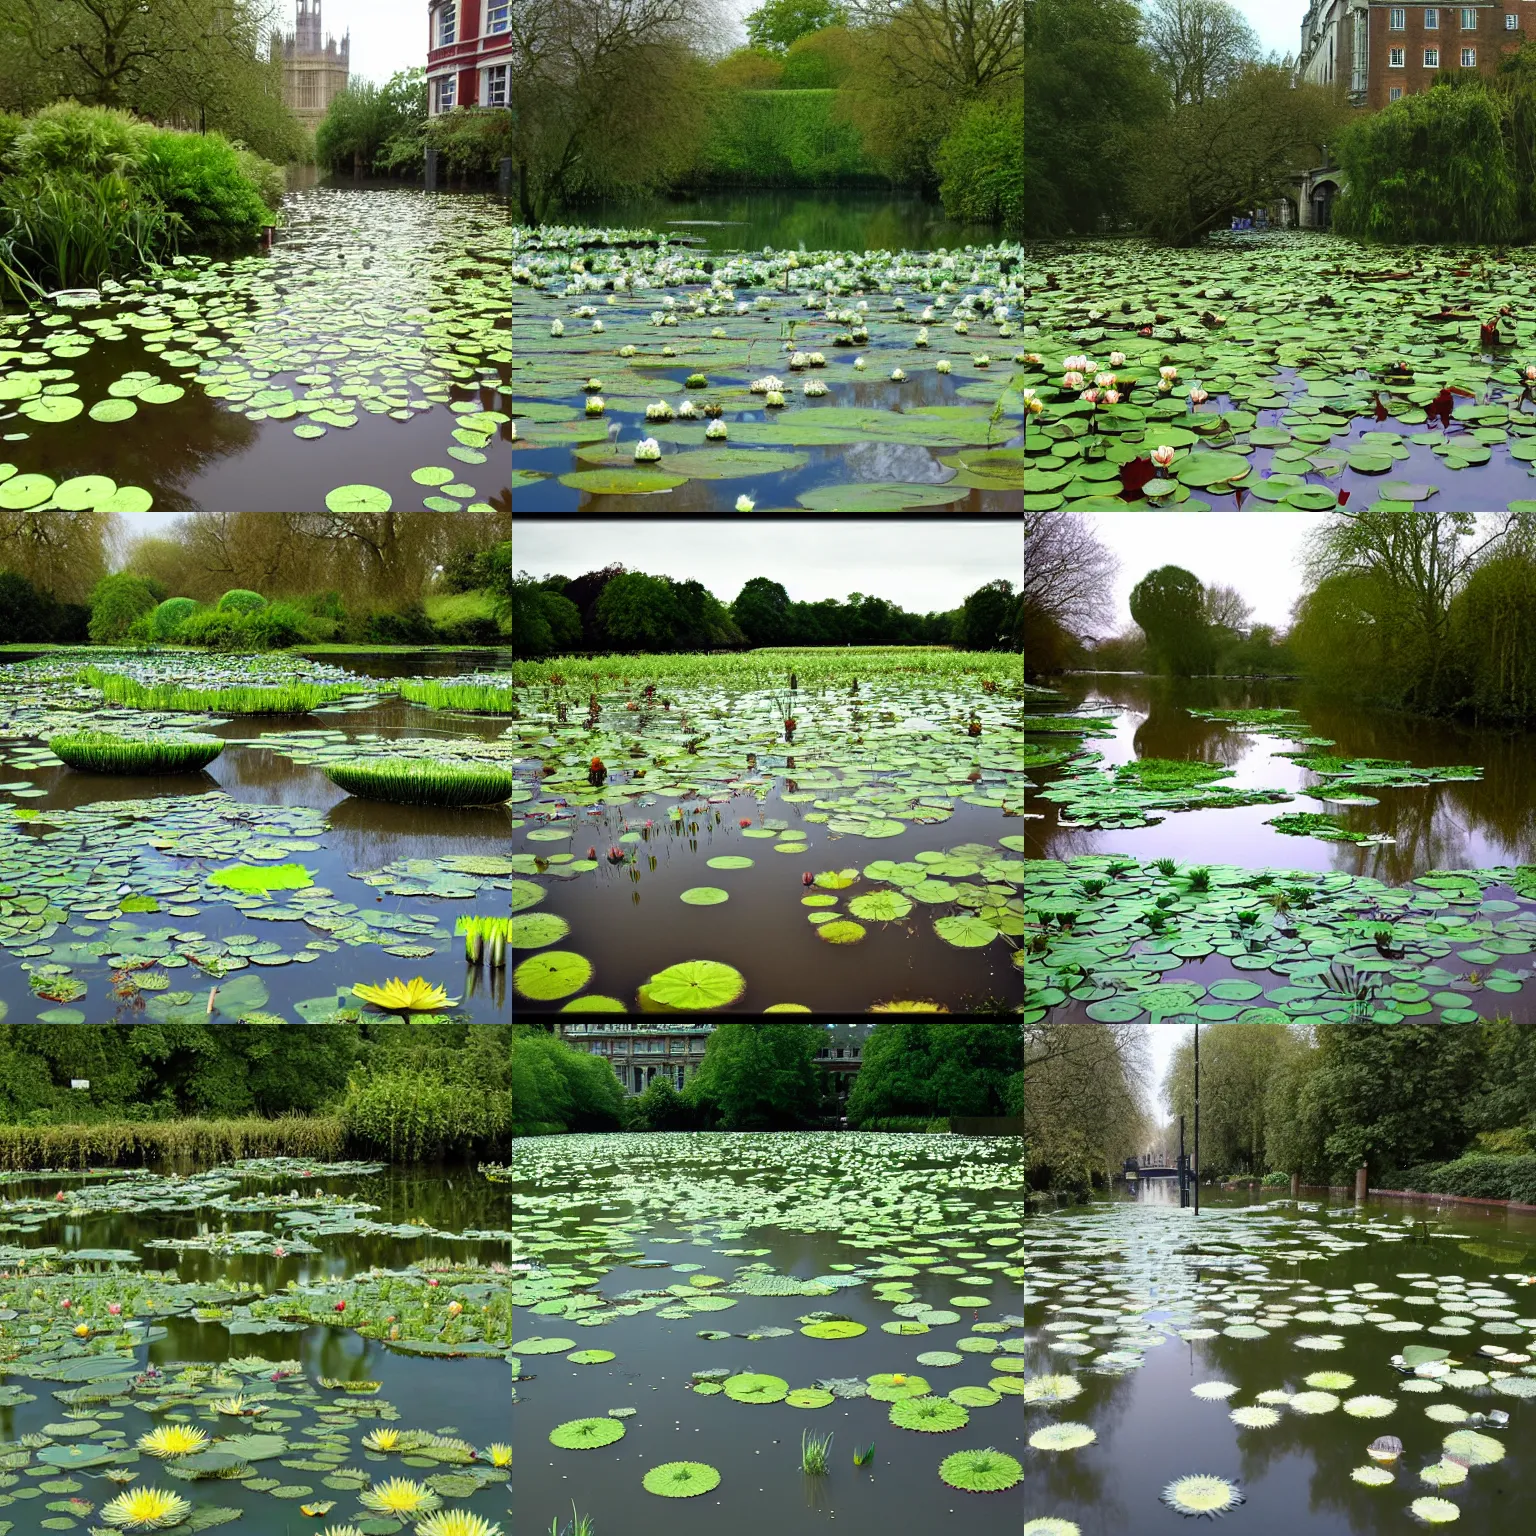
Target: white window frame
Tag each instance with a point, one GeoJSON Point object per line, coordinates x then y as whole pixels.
{"type": "Point", "coordinates": [1431, 58]}
{"type": "Point", "coordinates": [1395, 93]}
{"type": "Point", "coordinates": [448, 83]}
{"type": "Point", "coordinates": [1431, 17]}
{"type": "Point", "coordinates": [1469, 58]}
{"type": "Point", "coordinates": [498, 17]}
{"type": "Point", "coordinates": [1397, 58]}
{"type": "Point", "coordinates": [1511, 22]}
{"type": "Point", "coordinates": [1469, 18]}
{"type": "Point", "coordinates": [445, 25]}
{"type": "Point", "coordinates": [503, 74]}
{"type": "Point", "coordinates": [1397, 19]}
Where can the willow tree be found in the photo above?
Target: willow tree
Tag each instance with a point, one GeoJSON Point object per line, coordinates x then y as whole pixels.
{"type": "Point", "coordinates": [607, 96]}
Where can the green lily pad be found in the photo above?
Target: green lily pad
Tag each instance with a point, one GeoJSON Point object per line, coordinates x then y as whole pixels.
{"type": "Point", "coordinates": [881, 496]}
{"type": "Point", "coordinates": [622, 482]}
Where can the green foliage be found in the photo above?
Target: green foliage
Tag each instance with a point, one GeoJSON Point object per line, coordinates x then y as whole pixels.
{"type": "Point", "coordinates": [1090, 91]}
{"type": "Point", "coordinates": [212, 629]}
{"type": "Point", "coordinates": [471, 140]}
{"type": "Point", "coordinates": [1237, 1062]}
{"type": "Point", "coordinates": [765, 137]}
{"type": "Point", "coordinates": [166, 617]}
{"type": "Point", "coordinates": [1477, 1175]}
{"type": "Point", "coordinates": [637, 612]}
{"type": "Point", "coordinates": [749, 69]}
{"type": "Point", "coordinates": [25, 613]}
{"type": "Point", "coordinates": [380, 127]}
{"type": "Point", "coordinates": [1493, 633]}
{"type": "Point", "coordinates": [981, 164]}
{"type": "Point", "coordinates": [659, 1108]}
{"type": "Point", "coordinates": [991, 619]}
{"type": "Point", "coordinates": [821, 60]}
{"type": "Point", "coordinates": [555, 1088]}
{"type": "Point", "coordinates": [239, 600]}
{"type": "Point", "coordinates": [919, 1068]}
{"type": "Point", "coordinates": [765, 615]}
{"type": "Point", "coordinates": [777, 24]}
{"type": "Point", "coordinates": [1169, 605]}
{"type": "Point", "coordinates": [88, 141]}
{"type": "Point", "coordinates": [1431, 167]}
{"type": "Point", "coordinates": [757, 1077]}
{"type": "Point", "coordinates": [419, 781]}
{"type": "Point", "coordinates": [116, 601]}
{"type": "Point", "coordinates": [413, 1114]}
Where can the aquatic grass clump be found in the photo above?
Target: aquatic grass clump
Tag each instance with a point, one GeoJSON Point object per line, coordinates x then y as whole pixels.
{"type": "Point", "coordinates": [472, 698]}
{"type": "Point", "coordinates": [282, 699]}
{"type": "Point", "coordinates": [813, 1453]}
{"type": "Point", "coordinates": [485, 937]}
{"type": "Point", "coordinates": [421, 781]}
{"type": "Point", "coordinates": [106, 752]}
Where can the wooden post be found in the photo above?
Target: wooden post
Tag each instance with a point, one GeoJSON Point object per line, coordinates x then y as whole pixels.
{"type": "Point", "coordinates": [1295, 1186]}
{"type": "Point", "coordinates": [1360, 1186]}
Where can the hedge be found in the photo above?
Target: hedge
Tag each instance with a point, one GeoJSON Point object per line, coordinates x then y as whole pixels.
{"type": "Point", "coordinates": [783, 139]}
{"type": "Point", "coordinates": [1477, 1175]}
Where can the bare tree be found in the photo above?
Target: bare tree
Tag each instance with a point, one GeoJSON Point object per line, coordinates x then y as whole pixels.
{"type": "Point", "coordinates": [1199, 45]}
{"type": "Point", "coordinates": [1084, 1099]}
{"type": "Point", "coordinates": [961, 47]}
{"type": "Point", "coordinates": [1226, 608]}
{"type": "Point", "coordinates": [1067, 571]}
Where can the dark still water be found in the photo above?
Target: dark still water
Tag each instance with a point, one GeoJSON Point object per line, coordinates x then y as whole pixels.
{"type": "Point", "coordinates": [1170, 1330]}
{"type": "Point", "coordinates": [1435, 826]}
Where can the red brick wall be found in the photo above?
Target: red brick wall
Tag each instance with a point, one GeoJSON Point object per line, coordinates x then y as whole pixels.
{"type": "Point", "coordinates": [1490, 38]}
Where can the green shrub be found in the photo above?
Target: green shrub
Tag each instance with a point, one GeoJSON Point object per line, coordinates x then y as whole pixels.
{"type": "Point", "coordinates": [165, 619]}
{"type": "Point", "coordinates": [981, 164]}
{"type": "Point", "coordinates": [270, 181]}
{"type": "Point", "coordinates": [1276, 1180]}
{"type": "Point", "coordinates": [820, 60]}
{"type": "Point", "coordinates": [239, 600]}
{"type": "Point", "coordinates": [783, 138]}
{"type": "Point", "coordinates": [86, 141]}
{"type": "Point", "coordinates": [25, 613]}
{"type": "Point", "coordinates": [391, 626]}
{"type": "Point", "coordinates": [471, 140]}
{"type": "Point", "coordinates": [411, 1113]}
{"type": "Point", "coordinates": [116, 601]}
{"type": "Point", "coordinates": [212, 629]}
{"type": "Point", "coordinates": [201, 178]}
{"type": "Point", "coordinates": [10, 130]}
{"type": "Point", "coordinates": [749, 69]}
{"type": "Point", "coordinates": [1476, 1175]}
{"type": "Point", "coordinates": [275, 626]}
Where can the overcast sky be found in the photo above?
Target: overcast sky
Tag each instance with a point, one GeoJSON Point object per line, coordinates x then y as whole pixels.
{"type": "Point", "coordinates": [1278, 22]}
{"type": "Point", "coordinates": [387, 35]}
{"type": "Point", "coordinates": [923, 567]}
{"type": "Point", "coordinates": [1259, 553]}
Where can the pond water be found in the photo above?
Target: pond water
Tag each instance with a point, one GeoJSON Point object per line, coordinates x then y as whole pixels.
{"type": "Point", "coordinates": [1332, 372]}
{"type": "Point", "coordinates": [1151, 1327]}
{"type": "Point", "coordinates": [272, 1389]}
{"type": "Point", "coordinates": [637, 1241]}
{"type": "Point", "coordinates": [637, 321]}
{"type": "Point", "coordinates": [1455, 825]}
{"type": "Point", "coordinates": [869, 859]}
{"type": "Point", "coordinates": [843, 219]}
{"type": "Point", "coordinates": [108, 876]}
{"type": "Point", "coordinates": [371, 342]}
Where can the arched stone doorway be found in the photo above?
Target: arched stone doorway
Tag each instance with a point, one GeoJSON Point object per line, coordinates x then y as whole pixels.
{"type": "Point", "coordinates": [1324, 190]}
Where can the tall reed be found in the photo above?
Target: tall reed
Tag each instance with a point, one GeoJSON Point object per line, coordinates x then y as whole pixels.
{"type": "Point", "coordinates": [104, 752]}
{"type": "Point", "coordinates": [421, 781]}
{"type": "Point", "coordinates": [473, 698]}
{"type": "Point", "coordinates": [280, 699]}
{"type": "Point", "coordinates": [109, 1143]}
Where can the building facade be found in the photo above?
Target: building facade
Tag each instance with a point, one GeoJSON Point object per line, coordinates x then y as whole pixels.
{"type": "Point", "coordinates": [469, 54]}
{"type": "Point", "coordinates": [1380, 52]}
{"type": "Point", "coordinates": [315, 72]}
{"type": "Point", "coordinates": [640, 1053]}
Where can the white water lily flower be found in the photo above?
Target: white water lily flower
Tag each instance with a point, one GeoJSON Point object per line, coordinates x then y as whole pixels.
{"type": "Point", "coordinates": [626, 351]}
{"type": "Point", "coordinates": [660, 411]}
{"type": "Point", "coordinates": [717, 334]}
{"type": "Point", "coordinates": [897, 375]}
{"type": "Point", "coordinates": [745, 504]}
{"type": "Point", "coordinates": [921, 339]}
{"type": "Point", "coordinates": [928, 314]}
{"type": "Point", "coordinates": [1116, 359]}
{"type": "Point", "coordinates": [716, 431]}
{"type": "Point", "coordinates": [668, 352]}
{"type": "Point", "coordinates": [943, 365]}
{"type": "Point", "coordinates": [961, 328]}
{"type": "Point", "coordinates": [558, 328]}
{"type": "Point", "coordinates": [688, 409]}
{"type": "Point", "coordinates": [817, 360]}
{"type": "Point", "coordinates": [899, 304]}
{"type": "Point", "coordinates": [597, 326]}
{"type": "Point", "coordinates": [1104, 380]}
{"type": "Point", "coordinates": [514, 431]}
{"type": "Point", "coordinates": [984, 360]}
{"type": "Point", "coordinates": [669, 302]}
{"type": "Point", "coordinates": [671, 319]}
{"type": "Point", "coordinates": [799, 360]}
{"type": "Point", "coordinates": [774, 397]}
{"type": "Point", "coordinates": [1072, 381]}
{"type": "Point", "coordinates": [592, 386]}
{"type": "Point", "coordinates": [647, 450]}
{"type": "Point", "coordinates": [766, 383]}
{"type": "Point", "coordinates": [1162, 455]}
{"type": "Point", "coordinates": [1168, 372]}
{"type": "Point", "coordinates": [814, 387]}
{"type": "Point", "coordinates": [858, 363]}
{"type": "Point", "coordinates": [594, 405]}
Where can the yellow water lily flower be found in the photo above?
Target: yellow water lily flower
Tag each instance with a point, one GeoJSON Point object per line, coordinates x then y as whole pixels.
{"type": "Point", "coordinates": [382, 1440]}
{"type": "Point", "coordinates": [341, 1530]}
{"type": "Point", "coordinates": [146, 1509]}
{"type": "Point", "coordinates": [499, 1454]}
{"type": "Point", "coordinates": [173, 1440]}
{"type": "Point", "coordinates": [403, 996]}
{"type": "Point", "coordinates": [457, 1522]}
{"type": "Point", "coordinates": [400, 1496]}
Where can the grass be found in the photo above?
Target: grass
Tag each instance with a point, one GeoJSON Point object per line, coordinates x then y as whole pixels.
{"type": "Point", "coordinates": [457, 607]}
{"type": "Point", "coordinates": [287, 699]}
{"type": "Point", "coordinates": [1169, 773]}
{"type": "Point", "coordinates": [104, 752]}
{"type": "Point", "coordinates": [485, 938]}
{"type": "Point", "coordinates": [421, 781]}
{"type": "Point", "coordinates": [813, 1453]}
{"type": "Point", "coordinates": [476, 698]}
{"type": "Point", "coordinates": [110, 1143]}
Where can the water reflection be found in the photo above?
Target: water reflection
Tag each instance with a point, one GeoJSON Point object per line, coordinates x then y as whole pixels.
{"type": "Point", "coordinates": [1456, 825]}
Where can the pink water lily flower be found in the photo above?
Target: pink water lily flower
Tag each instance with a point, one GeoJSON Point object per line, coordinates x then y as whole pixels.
{"type": "Point", "coordinates": [1162, 455]}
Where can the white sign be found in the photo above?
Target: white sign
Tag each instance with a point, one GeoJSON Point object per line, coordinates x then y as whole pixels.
{"type": "Point", "coordinates": [79, 1082]}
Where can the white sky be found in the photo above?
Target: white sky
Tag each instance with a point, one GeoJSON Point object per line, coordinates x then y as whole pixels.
{"type": "Point", "coordinates": [1259, 553]}
{"type": "Point", "coordinates": [1278, 22]}
{"type": "Point", "coordinates": [923, 567]}
{"type": "Point", "coordinates": [387, 35]}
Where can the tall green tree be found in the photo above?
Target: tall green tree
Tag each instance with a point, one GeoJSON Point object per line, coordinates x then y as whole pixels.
{"type": "Point", "coordinates": [758, 1077]}
{"type": "Point", "coordinates": [556, 1088]}
{"type": "Point", "coordinates": [761, 609]}
{"type": "Point", "coordinates": [775, 24]}
{"type": "Point", "coordinates": [1237, 1062]}
{"type": "Point", "coordinates": [1199, 45]}
{"type": "Point", "coordinates": [938, 1069]}
{"type": "Point", "coordinates": [990, 619]}
{"type": "Point", "coordinates": [1169, 605]}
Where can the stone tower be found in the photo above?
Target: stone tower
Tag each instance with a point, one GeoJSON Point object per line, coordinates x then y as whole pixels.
{"type": "Point", "coordinates": [315, 72]}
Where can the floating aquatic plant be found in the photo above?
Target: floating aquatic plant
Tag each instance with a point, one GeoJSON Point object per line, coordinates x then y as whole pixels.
{"type": "Point", "coordinates": [485, 938]}
{"type": "Point", "coordinates": [988, 1471]}
{"type": "Point", "coordinates": [105, 752]}
{"type": "Point", "coordinates": [145, 1509]}
{"type": "Point", "coordinates": [681, 1479]}
{"type": "Point", "coordinates": [586, 1434]}
{"type": "Point", "coordinates": [173, 1440]}
{"type": "Point", "coordinates": [1202, 1494]}
{"type": "Point", "coordinates": [470, 698]}
{"type": "Point", "coordinates": [422, 781]}
{"type": "Point", "coordinates": [399, 1496]}
{"type": "Point", "coordinates": [814, 1450]}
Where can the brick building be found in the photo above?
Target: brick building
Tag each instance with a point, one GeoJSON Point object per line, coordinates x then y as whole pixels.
{"type": "Point", "coordinates": [469, 54]}
{"type": "Point", "coordinates": [1380, 52]}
